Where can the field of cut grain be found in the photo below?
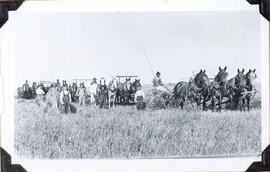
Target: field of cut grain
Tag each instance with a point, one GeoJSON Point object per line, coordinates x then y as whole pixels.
{"type": "Point", "coordinates": [124, 132]}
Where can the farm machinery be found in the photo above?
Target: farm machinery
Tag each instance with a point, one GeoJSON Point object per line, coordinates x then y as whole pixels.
{"type": "Point", "coordinates": [125, 97]}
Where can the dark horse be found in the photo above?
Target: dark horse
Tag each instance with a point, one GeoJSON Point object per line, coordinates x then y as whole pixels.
{"type": "Point", "coordinates": [217, 88]}
{"type": "Point", "coordinates": [250, 88]}
{"type": "Point", "coordinates": [195, 90]}
{"type": "Point", "coordinates": [234, 89]}
{"type": "Point", "coordinates": [125, 91]}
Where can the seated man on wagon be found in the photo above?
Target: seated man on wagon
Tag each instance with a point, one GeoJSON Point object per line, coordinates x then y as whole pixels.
{"type": "Point", "coordinates": [158, 84]}
{"type": "Point", "coordinates": [157, 80]}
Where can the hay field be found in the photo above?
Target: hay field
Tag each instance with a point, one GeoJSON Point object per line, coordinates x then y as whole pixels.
{"type": "Point", "coordinates": [124, 132]}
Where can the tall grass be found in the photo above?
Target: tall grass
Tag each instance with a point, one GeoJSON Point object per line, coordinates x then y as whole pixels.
{"type": "Point", "coordinates": [124, 132]}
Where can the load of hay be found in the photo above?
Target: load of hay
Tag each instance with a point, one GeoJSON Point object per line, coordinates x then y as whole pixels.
{"type": "Point", "coordinates": [52, 102]}
{"type": "Point", "coordinates": [158, 99]}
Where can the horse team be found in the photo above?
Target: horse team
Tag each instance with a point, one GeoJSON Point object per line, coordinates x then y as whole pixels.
{"type": "Point", "coordinates": [237, 91]}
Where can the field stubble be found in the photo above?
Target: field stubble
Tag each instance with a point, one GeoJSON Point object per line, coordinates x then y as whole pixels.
{"type": "Point", "coordinates": [124, 132]}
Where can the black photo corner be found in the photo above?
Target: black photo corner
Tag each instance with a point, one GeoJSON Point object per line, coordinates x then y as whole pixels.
{"type": "Point", "coordinates": [6, 165]}
{"type": "Point", "coordinates": [12, 5]}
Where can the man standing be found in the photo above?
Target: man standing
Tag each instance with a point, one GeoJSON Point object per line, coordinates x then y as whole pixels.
{"type": "Point", "coordinates": [139, 99]}
{"type": "Point", "coordinates": [65, 99]}
{"type": "Point", "coordinates": [81, 92]}
{"type": "Point", "coordinates": [39, 91]}
{"type": "Point", "coordinates": [58, 84]}
{"type": "Point", "coordinates": [103, 94]}
{"type": "Point", "coordinates": [93, 91]}
{"type": "Point", "coordinates": [27, 93]}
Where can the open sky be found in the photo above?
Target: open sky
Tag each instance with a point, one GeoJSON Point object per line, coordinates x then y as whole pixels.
{"type": "Point", "coordinates": [47, 46]}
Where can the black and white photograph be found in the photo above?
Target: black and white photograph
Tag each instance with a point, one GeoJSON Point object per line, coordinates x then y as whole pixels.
{"type": "Point", "coordinates": [135, 85]}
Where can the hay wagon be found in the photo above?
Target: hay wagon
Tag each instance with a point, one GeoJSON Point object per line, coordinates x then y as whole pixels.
{"type": "Point", "coordinates": [128, 97]}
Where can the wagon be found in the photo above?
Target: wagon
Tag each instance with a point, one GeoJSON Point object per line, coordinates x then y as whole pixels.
{"type": "Point", "coordinates": [127, 98]}
{"type": "Point", "coordinates": [45, 83]}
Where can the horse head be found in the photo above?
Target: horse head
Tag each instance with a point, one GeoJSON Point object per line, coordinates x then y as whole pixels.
{"type": "Point", "coordinates": [201, 79]}
{"type": "Point", "coordinates": [136, 84]}
{"type": "Point", "coordinates": [221, 77]}
{"type": "Point", "coordinates": [82, 85]}
{"type": "Point", "coordinates": [34, 85]}
{"type": "Point", "coordinates": [250, 77]}
{"type": "Point", "coordinates": [112, 85]}
{"type": "Point", "coordinates": [64, 83]}
{"type": "Point", "coordinates": [128, 85]}
{"type": "Point", "coordinates": [240, 79]}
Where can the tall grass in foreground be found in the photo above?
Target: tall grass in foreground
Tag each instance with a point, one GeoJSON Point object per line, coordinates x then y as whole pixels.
{"type": "Point", "coordinates": [124, 132]}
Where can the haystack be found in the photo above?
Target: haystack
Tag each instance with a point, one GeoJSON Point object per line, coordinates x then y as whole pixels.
{"type": "Point", "coordinates": [157, 99]}
{"type": "Point", "coordinates": [52, 101]}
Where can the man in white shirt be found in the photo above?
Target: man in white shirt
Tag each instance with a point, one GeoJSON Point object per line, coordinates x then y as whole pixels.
{"type": "Point", "coordinates": [93, 91]}
{"type": "Point", "coordinates": [81, 92]}
{"type": "Point", "coordinates": [139, 96]}
{"type": "Point", "coordinates": [40, 95]}
{"type": "Point", "coordinates": [39, 91]}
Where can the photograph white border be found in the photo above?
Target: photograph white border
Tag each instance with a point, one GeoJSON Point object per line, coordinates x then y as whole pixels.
{"type": "Point", "coordinates": [181, 164]}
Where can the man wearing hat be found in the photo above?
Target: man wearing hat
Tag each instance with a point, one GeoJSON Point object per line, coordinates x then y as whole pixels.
{"type": "Point", "coordinates": [58, 84]}
{"type": "Point", "coordinates": [81, 92]}
{"type": "Point", "coordinates": [40, 94]}
{"type": "Point", "coordinates": [139, 99]}
{"type": "Point", "coordinates": [103, 93]}
{"type": "Point", "coordinates": [93, 91]}
{"type": "Point", "coordinates": [157, 80]}
{"type": "Point", "coordinates": [65, 99]}
{"type": "Point", "coordinates": [39, 91]}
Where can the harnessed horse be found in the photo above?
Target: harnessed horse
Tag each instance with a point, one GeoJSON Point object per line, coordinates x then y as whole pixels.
{"type": "Point", "coordinates": [194, 90]}
{"type": "Point", "coordinates": [234, 89]}
{"type": "Point", "coordinates": [250, 88]}
{"type": "Point", "coordinates": [217, 88]}
{"type": "Point", "coordinates": [126, 90]}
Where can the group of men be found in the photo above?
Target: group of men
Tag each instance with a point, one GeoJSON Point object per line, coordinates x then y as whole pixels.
{"type": "Point", "coordinates": [69, 92]}
{"type": "Point", "coordinates": [73, 93]}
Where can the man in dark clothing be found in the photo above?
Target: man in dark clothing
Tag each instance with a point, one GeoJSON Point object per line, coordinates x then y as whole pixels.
{"type": "Point", "coordinates": [103, 95]}
{"type": "Point", "coordinates": [58, 84]}
{"type": "Point", "coordinates": [65, 99]}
